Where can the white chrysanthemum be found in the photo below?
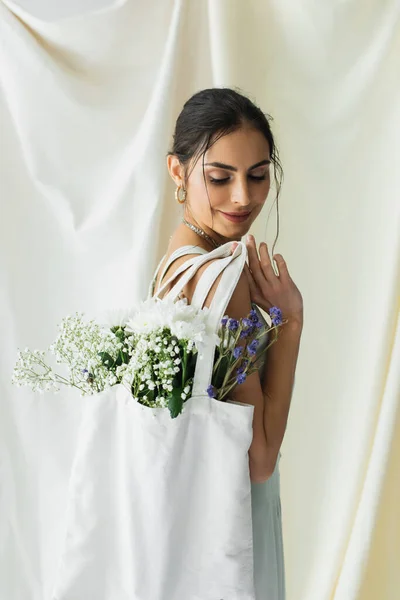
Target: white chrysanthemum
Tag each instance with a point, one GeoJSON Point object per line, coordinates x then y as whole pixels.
{"type": "Point", "coordinates": [183, 320]}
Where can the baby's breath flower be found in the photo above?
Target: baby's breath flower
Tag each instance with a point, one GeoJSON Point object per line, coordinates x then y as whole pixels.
{"type": "Point", "coordinates": [149, 349]}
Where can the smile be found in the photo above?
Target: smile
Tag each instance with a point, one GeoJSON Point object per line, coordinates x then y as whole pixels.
{"type": "Point", "coordinates": [236, 217]}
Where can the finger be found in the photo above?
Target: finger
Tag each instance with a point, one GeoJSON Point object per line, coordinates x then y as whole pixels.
{"type": "Point", "coordinates": [282, 266]}
{"type": "Point", "coordinates": [266, 264]}
{"type": "Point", "coordinates": [254, 262]}
{"type": "Point", "coordinates": [252, 284]}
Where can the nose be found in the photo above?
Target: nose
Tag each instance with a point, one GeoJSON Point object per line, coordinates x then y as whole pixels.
{"type": "Point", "coordinates": [240, 194]}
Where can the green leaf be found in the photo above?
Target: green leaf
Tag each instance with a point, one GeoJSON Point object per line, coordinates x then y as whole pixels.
{"type": "Point", "coordinates": [175, 402]}
{"type": "Point", "coordinates": [106, 357]}
{"type": "Point", "coordinates": [221, 372]}
{"type": "Point", "coordinates": [122, 358]}
{"type": "Point", "coordinates": [191, 364]}
{"type": "Point", "coordinates": [120, 334]}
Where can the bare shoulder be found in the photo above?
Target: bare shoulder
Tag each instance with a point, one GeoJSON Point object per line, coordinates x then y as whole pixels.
{"type": "Point", "coordinates": [239, 304]}
{"type": "Point", "coordinates": [174, 266]}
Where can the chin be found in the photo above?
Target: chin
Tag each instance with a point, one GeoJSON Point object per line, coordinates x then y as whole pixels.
{"type": "Point", "coordinates": [238, 228]}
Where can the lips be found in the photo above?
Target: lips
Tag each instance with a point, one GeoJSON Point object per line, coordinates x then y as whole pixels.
{"type": "Point", "coordinates": [236, 217]}
{"type": "Point", "coordinates": [238, 214]}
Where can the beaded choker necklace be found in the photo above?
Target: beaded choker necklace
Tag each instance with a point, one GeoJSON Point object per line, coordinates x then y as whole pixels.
{"type": "Point", "coordinates": [201, 232]}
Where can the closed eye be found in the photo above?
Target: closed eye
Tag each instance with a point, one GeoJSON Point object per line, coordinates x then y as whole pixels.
{"type": "Point", "coordinates": [258, 178]}
{"type": "Point", "coordinates": [225, 179]}
{"type": "Point", "coordinates": [213, 180]}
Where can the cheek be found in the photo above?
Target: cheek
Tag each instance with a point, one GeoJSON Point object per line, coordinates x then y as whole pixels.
{"type": "Point", "coordinates": [217, 195]}
{"type": "Point", "coordinates": [260, 194]}
{"type": "Point", "coordinates": [260, 199]}
{"type": "Point", "coordinates": [197, 193]}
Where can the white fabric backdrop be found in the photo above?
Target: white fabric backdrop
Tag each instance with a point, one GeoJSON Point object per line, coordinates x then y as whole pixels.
{"type": "Point", "coordinates": [90, 93]}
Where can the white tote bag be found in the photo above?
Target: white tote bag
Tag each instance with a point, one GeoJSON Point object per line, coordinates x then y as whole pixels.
{"type": "Point", "coordinates": [160, 508]}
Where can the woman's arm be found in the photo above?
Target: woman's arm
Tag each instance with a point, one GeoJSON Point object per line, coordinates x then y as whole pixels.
{"type": "Point", "coordinates": [278, 382]}
{"type": "Point", "coordinates": [272, 405]}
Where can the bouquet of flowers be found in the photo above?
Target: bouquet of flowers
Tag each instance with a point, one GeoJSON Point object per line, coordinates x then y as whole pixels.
{"type": "Point", "coordinates": [152, 350]}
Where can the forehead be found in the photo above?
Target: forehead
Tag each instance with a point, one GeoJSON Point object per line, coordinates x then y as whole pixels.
{"type": "Point", "coordinates": [241, 148]}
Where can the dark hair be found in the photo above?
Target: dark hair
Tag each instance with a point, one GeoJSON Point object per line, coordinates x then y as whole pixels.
{"type": "Point", "coordinates": [209, 115]}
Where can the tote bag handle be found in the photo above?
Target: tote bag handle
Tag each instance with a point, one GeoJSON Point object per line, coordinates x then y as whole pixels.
{"type": "Point", "coordinates": [232, 264]}
{"type": "Point", "coordinates": [191, 262]}
{"type": "Point", "coordinates": [181, 251]}
{"type": "Point", "coordinates": [194, 263]}
{"type": "Point", "coordinates": [232, 268]}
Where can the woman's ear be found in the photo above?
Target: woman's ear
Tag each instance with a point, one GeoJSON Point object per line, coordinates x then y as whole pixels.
{"type": "Point", "coordinates": [175, 169]}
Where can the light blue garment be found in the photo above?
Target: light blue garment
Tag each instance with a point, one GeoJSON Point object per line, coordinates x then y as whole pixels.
{"type": "Point", "coordinates": [269, 567]}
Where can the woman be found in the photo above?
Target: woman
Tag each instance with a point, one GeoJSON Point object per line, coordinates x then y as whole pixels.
{"type": "Point", "coordinates": [220, 161]}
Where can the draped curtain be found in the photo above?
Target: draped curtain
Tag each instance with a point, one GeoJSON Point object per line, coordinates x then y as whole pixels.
{"type": "Point", "coordinates": [90, 91]}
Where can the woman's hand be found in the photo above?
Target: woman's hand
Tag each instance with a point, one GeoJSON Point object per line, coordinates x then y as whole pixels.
{"type": "Point", "coordinates": [268, 289]}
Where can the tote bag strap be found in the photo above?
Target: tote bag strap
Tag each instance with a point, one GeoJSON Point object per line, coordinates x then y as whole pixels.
{"type": "Point", "coordinates": [206, 281]}
{"type": "Point", "coordinates": [153, 281]}
{"type": "Point", "coordinates": [181, 251]}
{"type": "Point", "coordinates": [232, 267]}
{"type": "Point", "coordinates": [194, 263]}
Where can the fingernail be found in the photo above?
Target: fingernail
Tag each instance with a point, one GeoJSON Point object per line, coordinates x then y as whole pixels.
{"type": "Point", "coordinates": [249, 237]}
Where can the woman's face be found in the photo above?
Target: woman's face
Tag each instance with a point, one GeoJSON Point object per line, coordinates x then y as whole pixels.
{"type": "Point", "coordinates": [237, 171]}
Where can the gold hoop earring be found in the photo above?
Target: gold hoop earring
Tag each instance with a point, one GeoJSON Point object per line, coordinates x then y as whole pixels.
{"type": "Point", "coordinates": [177, 196]}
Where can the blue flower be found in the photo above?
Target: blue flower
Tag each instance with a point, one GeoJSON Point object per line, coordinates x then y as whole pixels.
{"type": "Point", "coordinates": [224, 321]}
{"type": "Point", "coordinates": [233, 324]}
{"type": "Point", "coordinates": [276, 315]}
{"type": "Point", "coordinates": [240, 369]}
{"type": "Point", "coordinates": [253, 316]}
{"type": "Point", "coordinates": [247, 322]}
{"type": "Point", "coordinates": [252, 348]}
{"type": "Point", "coordinates": [255, 319]}
{"type": "Point", "coordinates": [245, 333]}
{"type": "Point", "coordinates": [211, 391]}
{"type": "Point", "coordinates": [237, 351]}
{"type": "Point", "coordinates": [241, 378]}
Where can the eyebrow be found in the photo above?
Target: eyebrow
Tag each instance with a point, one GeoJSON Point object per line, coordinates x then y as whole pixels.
{"type": "Point", "coordinates": [220, 165]}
